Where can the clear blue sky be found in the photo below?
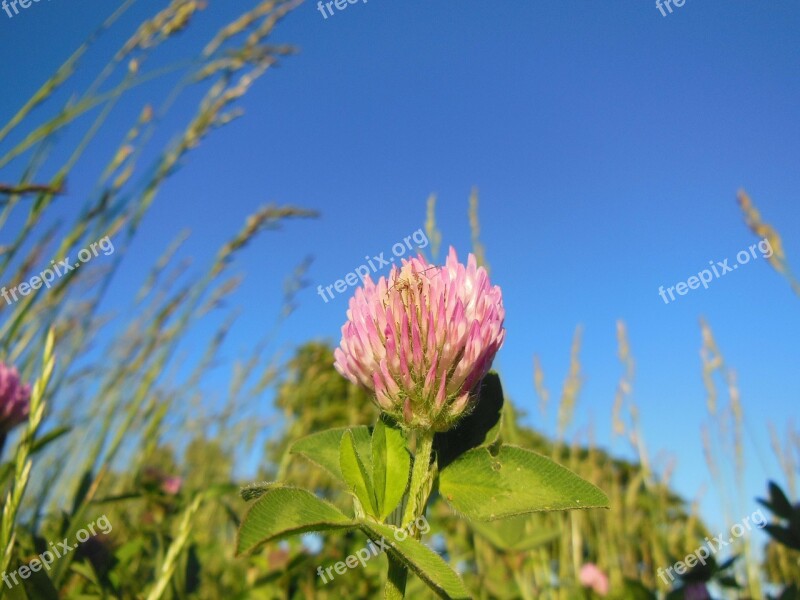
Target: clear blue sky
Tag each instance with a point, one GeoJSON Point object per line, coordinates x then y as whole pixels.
{"type": "Point", "coordinates": [607, 141]}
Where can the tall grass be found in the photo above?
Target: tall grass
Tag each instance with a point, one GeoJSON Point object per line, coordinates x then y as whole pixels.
{"type": "Point", "coordinates": [121, 406]}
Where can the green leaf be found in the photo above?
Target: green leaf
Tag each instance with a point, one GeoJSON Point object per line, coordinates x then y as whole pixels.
{"type": "Point", "coordinates": [417, 557]}
{"type": "Point", "coordinates": [17, 592]}
{"type": "Point", "coordinates": [783, 508]}
{"type": "Point", "coordinates": [516, 534]}
{"type": "Point", "coordinates": [86, 571]}
{"type": "Point", "coordinates": [130, 551]}
{"type": "Point", "coordinates": [516, 481]}
{"type": "Point", "coordinates": [391, 466]}
{"type": "Point", "coordinates": [38, 445]}
{"type": "Point", "coordinates": [254, 491]}
{"type": "Point", "coordinates": [480, 428]}
{"type": "Point", "coordinates": [49, 437]}
{"type": "Point", "coordinates": [355, 475]}
{"type": "Point", "coordinates": [287, 511]}
{"type": "Point", "coordinates": [783, 535]}
{"type": "Point", "coordinates": [38, 586]}
{"type": "Point", "coordinates": [323, 448]}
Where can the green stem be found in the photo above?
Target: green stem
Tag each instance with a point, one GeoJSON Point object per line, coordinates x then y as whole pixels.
{"type": "Point", "coordinates": [398, 574]}
{"type": "Point", "coordinates": [422, 460]}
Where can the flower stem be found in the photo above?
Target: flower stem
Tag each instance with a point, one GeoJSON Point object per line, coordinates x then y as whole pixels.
{"type": "Point", "coordinates": [422, 460]}
{"type": "Point", "coordinates": [396, 580]}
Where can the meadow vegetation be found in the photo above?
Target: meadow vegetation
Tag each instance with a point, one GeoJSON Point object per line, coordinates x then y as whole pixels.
{"type": "Point", "coordinates": [117, 422]}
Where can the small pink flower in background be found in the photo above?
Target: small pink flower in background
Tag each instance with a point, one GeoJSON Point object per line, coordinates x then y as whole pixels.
{"type": "Point", "coordinates": [423, 339]}
{"type": "Point", "coordinates": [172, 485]}
{"type": "Point", "coordinates": [592, 577]}
{"type": "Point", "coordinates": [154, 477]}
{"type": "Point", "coordinates": [14, 399]}
{"type": "Point", "coordinates": [696, 591]}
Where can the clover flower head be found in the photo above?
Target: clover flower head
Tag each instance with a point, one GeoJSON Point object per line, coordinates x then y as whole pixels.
{"type": "Point", "coordinates": [14, 399]}
{"type": "Point", "coordinates": [422, 339]}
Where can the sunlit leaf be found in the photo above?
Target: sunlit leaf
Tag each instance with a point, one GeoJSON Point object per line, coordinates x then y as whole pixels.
{"type": "Point", "coordinates": [283, 512]}
{"type": "Point", "coordinates": [514, 481]}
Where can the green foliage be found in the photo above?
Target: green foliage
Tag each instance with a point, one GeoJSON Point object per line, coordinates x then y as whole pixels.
{"type": "Point", "coordinates": [391, 467]}
{"type": "Point", "coordinates": [704, 573]}
{"type": "Point", "coordinates": [284, 511]}
{"type": "Point", "coordinates": [358, 480]}
{"type": "Point", "coordinates": [779, 505]}
{"type": "Point", "coordinates": [110, 406]}
{"type": "Point", "coordinates": [480, 428]}
{"type": "Point", "coordinates": [479, 477]}
{"type": "Point", "coordinates": [420, 559]}
{"type": "Point", "coordinates": [324, 448]}
{"type": "Point", "coordinates": [513, 481]}
{"type": "Point", "coordinates": [784, 549]}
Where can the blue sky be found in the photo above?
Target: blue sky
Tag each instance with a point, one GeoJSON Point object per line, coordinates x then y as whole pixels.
{"type": "Point", "coordinates": [607, 142]}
